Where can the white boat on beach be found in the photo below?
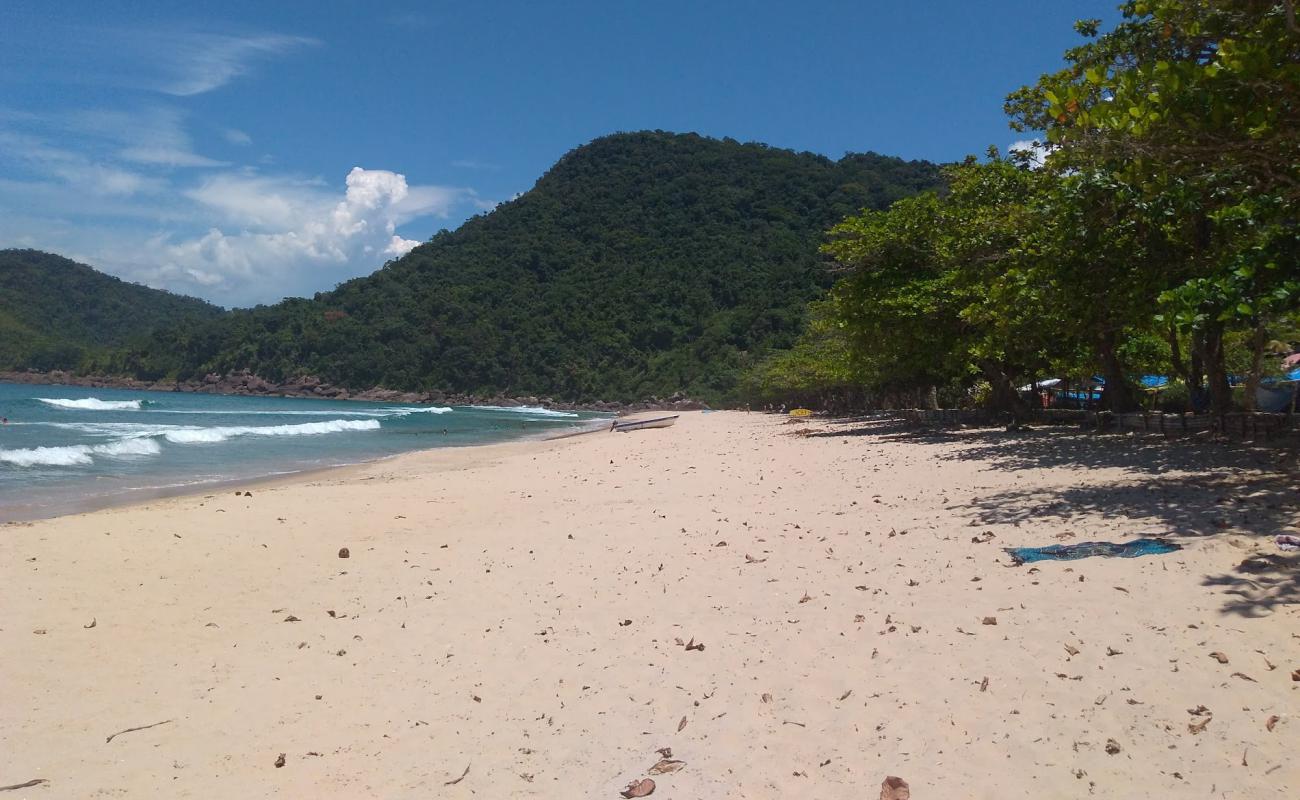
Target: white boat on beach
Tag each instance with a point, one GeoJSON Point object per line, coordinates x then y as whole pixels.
{"type": "Point", "coordinates": [640, 424]}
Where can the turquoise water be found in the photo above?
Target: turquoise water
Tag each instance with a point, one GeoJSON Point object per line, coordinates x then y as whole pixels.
{"type": "Point", "coordinates": [69, 448]}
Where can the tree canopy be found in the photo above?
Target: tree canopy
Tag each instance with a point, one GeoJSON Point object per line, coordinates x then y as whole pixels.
{"type": "Point", "coordinates": [1160, 222]}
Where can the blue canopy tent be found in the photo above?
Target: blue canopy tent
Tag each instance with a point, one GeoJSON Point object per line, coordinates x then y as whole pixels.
{"type": "Point", "coordinates": [1278, 394]}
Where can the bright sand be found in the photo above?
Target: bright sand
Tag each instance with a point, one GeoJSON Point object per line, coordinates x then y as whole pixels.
{"type": "Point", "coordinates": [516, 610]}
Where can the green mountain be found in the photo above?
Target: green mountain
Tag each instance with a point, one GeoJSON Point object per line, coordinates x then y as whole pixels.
{"type": "Point", "coordinates": [640, 264]}
{"type": "Point", "coordinates": [58, 314]}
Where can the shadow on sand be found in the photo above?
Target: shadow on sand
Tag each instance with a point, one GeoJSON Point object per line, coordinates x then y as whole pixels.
{"type": "Point", "coordinates": [1184, 488]}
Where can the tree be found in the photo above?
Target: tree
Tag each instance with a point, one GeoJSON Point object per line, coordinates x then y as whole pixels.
{"type": "Point", "coordinates": [1194, 104]}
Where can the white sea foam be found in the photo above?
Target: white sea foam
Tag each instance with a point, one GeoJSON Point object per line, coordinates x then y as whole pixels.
{"type": "Point", "coordinates": [92, 404]}
{"type": "Point", "coordinates": [183, 435]}
{"type": "Point", "coordinates": [536, 411]}
{"type": "Point", "coordinates": [78, 455]}
{"type": "Point", "coordinates": [143, 440]}
{"type": "Point", "coordinates": [403, 412]}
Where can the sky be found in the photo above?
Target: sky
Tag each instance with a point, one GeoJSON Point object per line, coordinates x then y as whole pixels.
{"type": "Point", "coordinates": [247, 151]}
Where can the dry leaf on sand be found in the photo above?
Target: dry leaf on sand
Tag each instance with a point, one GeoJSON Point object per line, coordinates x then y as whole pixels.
{"type": "Point", "coordinates": [642, 788]}
{"type": "Point", "coordinates": [895, 789]}
{"type": "Point", "coordinates": [666, 766]}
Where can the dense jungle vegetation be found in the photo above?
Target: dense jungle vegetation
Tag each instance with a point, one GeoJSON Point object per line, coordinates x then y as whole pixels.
{"type": "Point", "coordinates": [58, 314]}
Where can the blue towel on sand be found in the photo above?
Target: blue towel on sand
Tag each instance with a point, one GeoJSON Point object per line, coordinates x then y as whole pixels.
{"type": "Point", "coordinates": [1070, 552]}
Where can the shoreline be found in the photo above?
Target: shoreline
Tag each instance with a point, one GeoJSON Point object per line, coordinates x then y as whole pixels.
{"type": "Point", "coordinates": [244, 384]}
{"type": "Point", "coordinates": [142, 496]}
{"type": "Point", "coordinates": [512, 620]}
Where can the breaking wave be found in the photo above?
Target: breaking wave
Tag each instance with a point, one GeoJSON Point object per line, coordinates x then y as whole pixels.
{"type": "Point", "coordinates": [79, 454]}
{"type": "Point", "coordinates": [143, 440]}
{"type": "Point", "coordinates": [537, 411]}
{"type": "Point", "coordinates": [220, 434]}
{"type": "Point", "coordinates": [93, 404]}
{"type": "Point", "coordinates": [405, 412]}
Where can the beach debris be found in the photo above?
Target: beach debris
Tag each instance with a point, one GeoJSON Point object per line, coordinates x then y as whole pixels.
{"type": "Point", "coordinates": [1074, 651]}
{"type": "Point", "coordinates": [1244, 677]}
{"type": "Point", "coordinates": [666, 766]}
{"type": "Point", "coordinates": [1295, 675]}
{"type": "Point", "coordinates": [722, 543]}
{"type": "Point", "coordinates": [1219, 657]}
{"type": "Point", "coordinates": [691, 645]}
{"type": "Point", "coordinates": [751, 560]}
{"type": "Point", "coordinates": [806, 597]}
{"type": "Point", "coordinates": [25, 785]}
{"type": "Point", "coordinates": [1112, 747]}
{"type": "Point", "coordinates": [279, 761]}
{"type": "Point", "coordinates": [1287, 542]}
{"type": "Point", "coordinates": [894, 788]}
{"type": "Point", "coordinates": [1271, 723]}
{"type": "Point", "coordinates": [344, 552]}
{"type": "Point", "coordinates": [642, 788]}
{"type": "Point", "coordinates": [132, 730]}
{"type": "Point", "coordinates": [666, 752]}
{"type": "Point", "coordinates": [625, 623]}
{"type": "Point", "coordinates": [990, 620]}
{"type": "Point", "coordinates": [461, 778]}
{"type": "Point", "coordinates": [39, 631]}
{"type": "Point", "coordinates": [93, 623]}
{"type": "Point", "coordinates": [1199, 725]}
{"type": "Point", "coordinates": [984, 684]}
{"type": "Point", "coordinates": [766, 697]}
{"type": "Point", "coordinates": [982, 538]}
{"type": "Point", "coordinates": [292, 618]}
{"type": "Point", "coordinates": [845, 696]}
{"type": "Point", "coordinates": [1110, 651]}
{"type": "Point", "coordinates": [1199, 711]}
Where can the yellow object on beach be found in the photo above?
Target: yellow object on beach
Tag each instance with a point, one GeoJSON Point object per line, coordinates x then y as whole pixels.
{"type": "Point", "coordinates": [800, 412]}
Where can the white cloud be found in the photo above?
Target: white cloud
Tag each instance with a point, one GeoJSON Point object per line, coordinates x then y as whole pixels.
{"type": "Point", "coordinates": [1032, 150]}
{"type": "Point", "coordinates": [236, 136]}
{"type": "Point", "coordinates": [33, 154]}
{"type": "Point", "coordinates": [292, 236]}
{"type": "Point", "coordinates": [194, 63]}
{"type": "Point", "coordinates": [469, 163]}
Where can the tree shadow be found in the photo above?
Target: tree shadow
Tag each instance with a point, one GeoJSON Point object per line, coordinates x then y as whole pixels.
{"type": "Point", "coordinates": [1260, 584]}
{"type": "Point", "coordinates": [1183, 488]}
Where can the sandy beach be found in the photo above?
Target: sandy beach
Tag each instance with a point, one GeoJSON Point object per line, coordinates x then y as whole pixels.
{"type": "Point", "coordinates": [795, 610]}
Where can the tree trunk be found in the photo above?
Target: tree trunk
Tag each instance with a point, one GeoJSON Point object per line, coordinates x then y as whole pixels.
{"type": "Point", "coordinates": [1176, 355]}
{"type": "Point", "coordinates": [1216, 371]}
{"type": "Point", "coordinates": [1118, 397]}
{"type": "Point", "coordinates": [1257, 342]}
{"type": "Point", "coordinates": [932, 398]}
{"type": "Point", "coordinates": [1004, 397]}
{"type": "Point", "coordinates": [1196, 377]}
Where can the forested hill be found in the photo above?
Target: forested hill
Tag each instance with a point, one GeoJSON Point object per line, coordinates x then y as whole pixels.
{"type": "Point", "coordinates": [640, 264]}
{"type": "Point", "coordinates": [58, 314]}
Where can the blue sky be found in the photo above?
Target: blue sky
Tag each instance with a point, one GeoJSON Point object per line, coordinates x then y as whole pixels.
{"type": "Point", "coordinates": [245, 151]}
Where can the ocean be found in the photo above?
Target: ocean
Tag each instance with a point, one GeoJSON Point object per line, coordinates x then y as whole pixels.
{"type": "Point", "coordinates": [67, 449]}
